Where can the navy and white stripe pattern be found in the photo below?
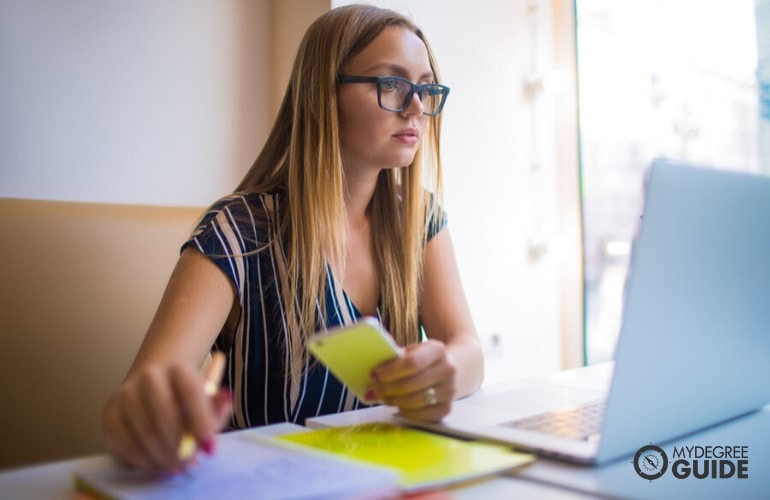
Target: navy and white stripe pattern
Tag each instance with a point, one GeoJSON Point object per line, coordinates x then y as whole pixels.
{"type": "Point", "coordinates": [238, 233]}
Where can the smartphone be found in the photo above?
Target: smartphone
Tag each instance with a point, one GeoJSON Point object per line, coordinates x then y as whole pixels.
{"type": "Point", "coordinates": [352, 352]}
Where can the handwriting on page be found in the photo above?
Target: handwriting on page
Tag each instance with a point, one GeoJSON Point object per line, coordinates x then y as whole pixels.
{"type": "Point", "coordinates": [244, 468]}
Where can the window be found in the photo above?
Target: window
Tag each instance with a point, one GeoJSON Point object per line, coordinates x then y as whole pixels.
{"type": "Point", "coordinates": [663, 78]}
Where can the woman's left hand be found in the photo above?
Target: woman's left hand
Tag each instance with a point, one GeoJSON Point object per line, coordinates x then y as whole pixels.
{"type": "Point", "coordinates": [421, 383]}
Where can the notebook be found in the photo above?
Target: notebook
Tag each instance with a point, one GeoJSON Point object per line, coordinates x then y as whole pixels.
{"type": "Point", "coordinates": [423, 460]}
{"type": "Point", "coordinates": [248, 464]}
{"type": "Point", "coordinates": [694, 344]}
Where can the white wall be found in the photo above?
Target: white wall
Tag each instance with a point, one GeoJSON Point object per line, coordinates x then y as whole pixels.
{"type": "Point", "coordinates": [148, 102]}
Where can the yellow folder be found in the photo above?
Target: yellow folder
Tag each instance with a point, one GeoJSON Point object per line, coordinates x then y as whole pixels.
{"type": "Point", "coordinates": [423, 459]}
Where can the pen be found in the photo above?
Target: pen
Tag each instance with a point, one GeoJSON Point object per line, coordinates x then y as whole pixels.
{"type": "Point", "coordinates": [212, 380]}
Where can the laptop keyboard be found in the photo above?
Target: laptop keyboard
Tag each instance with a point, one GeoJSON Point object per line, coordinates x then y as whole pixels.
{"type": "Point", "coordinates": [582, 423]}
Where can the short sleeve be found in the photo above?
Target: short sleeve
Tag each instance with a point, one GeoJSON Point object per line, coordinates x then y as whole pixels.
{"type": "Point", "coordinates": [227, 234]}
{"type": "Point", "coordinates": [437, 219]}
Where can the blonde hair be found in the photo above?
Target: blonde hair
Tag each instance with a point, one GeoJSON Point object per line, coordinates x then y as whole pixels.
{"type": "Point", "coordinates": [302, 154]}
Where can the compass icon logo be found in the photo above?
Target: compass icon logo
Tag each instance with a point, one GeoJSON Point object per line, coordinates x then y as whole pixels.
{"type": "Point", "coordinates": [650, 462]}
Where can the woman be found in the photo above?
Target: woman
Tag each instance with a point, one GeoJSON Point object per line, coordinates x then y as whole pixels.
{"type": "Point", "coordinates": [332, 222]}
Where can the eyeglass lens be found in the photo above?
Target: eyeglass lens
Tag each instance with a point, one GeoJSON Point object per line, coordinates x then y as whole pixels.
{"type": "Point", "coordinates": [395, 94]}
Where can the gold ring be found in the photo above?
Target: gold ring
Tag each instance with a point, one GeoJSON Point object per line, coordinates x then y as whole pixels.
{"type": "Point", "coordinates": [430, 397]}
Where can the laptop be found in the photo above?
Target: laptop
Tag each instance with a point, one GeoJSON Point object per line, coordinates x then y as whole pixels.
{"type": "Point", "coordinates": [694, 345]}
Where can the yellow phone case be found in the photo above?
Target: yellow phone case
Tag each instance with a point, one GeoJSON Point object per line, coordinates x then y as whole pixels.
{"type": "Point", "coordinates": [352, 352]}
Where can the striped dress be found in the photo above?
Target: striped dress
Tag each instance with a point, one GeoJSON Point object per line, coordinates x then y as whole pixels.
{"type": "Point", "coordinates": [238, 234]}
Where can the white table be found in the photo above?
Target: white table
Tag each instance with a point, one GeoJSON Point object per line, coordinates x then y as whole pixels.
{"type": "Point", "coordinates": [545, 479]}
{"type": "Point", "coordinates": [54, 480]}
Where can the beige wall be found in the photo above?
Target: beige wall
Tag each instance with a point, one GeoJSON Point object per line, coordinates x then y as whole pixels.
{"type": "Point", "coordinates": [567, 166]}
{"type": "Point", "coordinates": [80, 284]}
{"type": "Point", "coordinates": [288, 21]}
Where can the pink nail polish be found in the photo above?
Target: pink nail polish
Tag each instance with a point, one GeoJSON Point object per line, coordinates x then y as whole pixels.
{"type": "Point", "coordinates": [375, 376]}
{"type": "Point", "coordinates": [209, 446]}
{"type": "Point", "coordinates": [369, 396]}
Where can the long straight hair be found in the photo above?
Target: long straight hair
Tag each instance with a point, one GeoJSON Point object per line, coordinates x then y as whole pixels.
{"type": "Point", "coordinates": [302, 155]}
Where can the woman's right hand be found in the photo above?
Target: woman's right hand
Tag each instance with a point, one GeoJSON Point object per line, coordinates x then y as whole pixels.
{"type": "Point", "coordinates": [144, 421]}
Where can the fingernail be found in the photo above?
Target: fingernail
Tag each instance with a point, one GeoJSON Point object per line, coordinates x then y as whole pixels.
{"type": "Point", "coordinates": [376, 376]}
{"type": "Point", "coordinates": [209, 446]}
{"type": "Point", "coordinates": [369, 396]}
{"type": "Point", "coordinates": [226, 395]}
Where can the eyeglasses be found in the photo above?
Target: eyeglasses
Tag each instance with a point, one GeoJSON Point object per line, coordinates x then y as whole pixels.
{"type": "Point", "coordinates": [395, 93]}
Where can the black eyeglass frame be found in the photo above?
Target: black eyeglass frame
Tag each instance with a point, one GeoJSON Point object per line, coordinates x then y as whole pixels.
{"type": "Point", "coordinates": [415, 88]}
